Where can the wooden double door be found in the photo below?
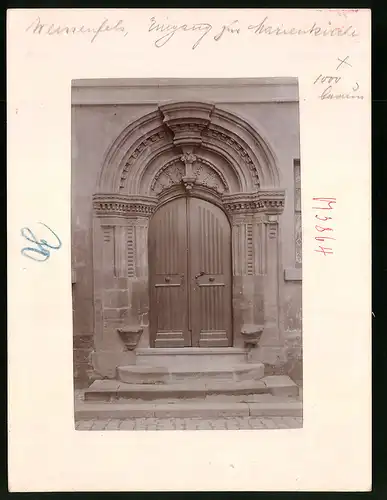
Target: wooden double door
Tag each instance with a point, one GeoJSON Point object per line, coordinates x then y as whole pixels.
{"type": "Point", "coordinates": [190, 275]}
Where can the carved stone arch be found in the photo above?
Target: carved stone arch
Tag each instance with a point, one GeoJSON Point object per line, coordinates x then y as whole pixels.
{"type": "Point", "coordinates": [261, 155]}
{"type": "Point", "coordinates": [118, 150]}
{"type": "Point", "coordinates": [198, 125]}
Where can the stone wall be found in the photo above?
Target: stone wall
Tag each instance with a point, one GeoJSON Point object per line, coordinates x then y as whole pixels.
{"type": "Point", "coordinates": [83, 370]}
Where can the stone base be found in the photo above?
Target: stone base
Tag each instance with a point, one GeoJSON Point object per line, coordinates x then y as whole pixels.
{"type": "Point", "coordinates": [137, 374]}
{"type": "Point", "coordinates": [191, 390]}
{"type": "Point", "coordinates": [273, 407]}
{"type": "Point", "coordinates": [105, 363]}
{"type": "Point", "coordinates": [192, 357]}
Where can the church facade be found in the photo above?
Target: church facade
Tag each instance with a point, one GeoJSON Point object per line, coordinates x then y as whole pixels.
{"type": "Point", "coordinates": [186, 223]}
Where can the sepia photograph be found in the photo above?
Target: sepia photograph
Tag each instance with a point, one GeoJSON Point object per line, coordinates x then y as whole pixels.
{"type": "Point", "coordinates": [186, 254]}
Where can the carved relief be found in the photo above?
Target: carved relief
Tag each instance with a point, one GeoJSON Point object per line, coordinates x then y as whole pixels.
{"type": "Point", "coordinates": [243, 249]}
{"type": "Point", "coordinates": [120, 246]}
{"type": "Point", "coordinates": [272, 226]}
{"type": "Point", "coordinates": [260, 253]}
{"type": "Point", "coordinates": [206, 176]}
{"type": "Point", "coordinates": [170, 174]}
{"type": "Point", "coordinates": [131, 252]}
{"type": "Point", "coordinates": [107, 233]}
{"type": "Point", "coordinates": [272, 230]}
{"type": "Point", "coordinates": [174, 173]}
{"type": "Point", "coordinates": [188, 158]}
{"type": "Point", "coordinates": [250, 249]}
{"type": "Point", "coordinates": [108, 249]}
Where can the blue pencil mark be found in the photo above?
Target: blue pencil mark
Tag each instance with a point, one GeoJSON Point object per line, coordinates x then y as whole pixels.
{"type": "Point", "coordinates": [41, 252]}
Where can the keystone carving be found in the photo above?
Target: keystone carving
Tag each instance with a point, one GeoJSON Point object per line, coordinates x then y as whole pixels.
{"type": "Point", "coordinates": [187, 124]}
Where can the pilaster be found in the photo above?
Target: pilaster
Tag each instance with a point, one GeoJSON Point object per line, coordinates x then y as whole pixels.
{"type": "Point", "coordinates": [254, 220]}
{"type": "Point", "coordinates": [121, 274]}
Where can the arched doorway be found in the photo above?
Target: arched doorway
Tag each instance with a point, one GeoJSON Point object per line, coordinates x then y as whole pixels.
{"type": "Point", "coordinates": [190, 273]}
{"type": "Point", "coordinates": [190, 152]}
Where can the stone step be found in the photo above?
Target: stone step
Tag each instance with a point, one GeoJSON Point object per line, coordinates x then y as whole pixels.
{"type": "Point", "coordinates": [142, 374]}
{"type": "Point", "coordinates": [214, 390]}
{"type": "Point", "coordinates": [276, 407]}
{"type": "Point", "coordinates": [191, 357]}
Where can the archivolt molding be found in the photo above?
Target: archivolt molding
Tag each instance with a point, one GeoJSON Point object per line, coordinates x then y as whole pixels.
{"type": "Point", "coordinates": [144, 145]}
{"type": "Point", "coordinates": [188, 126]}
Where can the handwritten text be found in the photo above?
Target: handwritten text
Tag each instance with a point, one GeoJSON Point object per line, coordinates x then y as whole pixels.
{"type": "Point", "coordinates": [264, 27]}
{"type": "Point", "coordinates": [41, 250]}
{"type": "Point", "coordinates": [39, 28]}
{"type": "Point", "coordinates": [164, 30]}
{"type": "Point", "coordinates": [330, 82]}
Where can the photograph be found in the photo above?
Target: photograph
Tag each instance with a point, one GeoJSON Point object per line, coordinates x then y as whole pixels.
{"type": "Point", "coordinates": [186, 254]}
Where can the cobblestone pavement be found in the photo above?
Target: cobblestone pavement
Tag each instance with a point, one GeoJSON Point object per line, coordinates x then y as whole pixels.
{"type": "Point", "coordinates": [230, 423]}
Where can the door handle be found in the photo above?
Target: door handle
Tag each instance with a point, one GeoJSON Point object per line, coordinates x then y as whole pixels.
{"type": "Point", "coordinates": [202, 273]}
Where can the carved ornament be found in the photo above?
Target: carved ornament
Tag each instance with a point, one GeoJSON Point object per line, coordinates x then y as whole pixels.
{"type": "Point", "coordinates": [116, 205]}
{"type": "Point", "coordinates": [270, 202]}
{"type": "Point", "coordinates": [200, 173]}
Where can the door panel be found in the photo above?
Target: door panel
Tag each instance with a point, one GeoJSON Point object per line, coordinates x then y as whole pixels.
{"type": "Point", "coordinates": [168, 276]}
{"type": "Point", "coordinates": [190, 275]}
{"type": "Point", "coordinates": [210, 265]}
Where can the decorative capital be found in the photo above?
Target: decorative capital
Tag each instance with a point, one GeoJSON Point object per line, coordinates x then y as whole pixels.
{"type": "Point", "coordinates": [269, 202]}
{"type": "Point", "coordinates": [130, 336]}
{"type": "Point", "coordinates": [272, 202]}
{"type": "Point", "coordinates": [187, 121]}
{"type": "Point", "coordinates": [113, 205]}
{"type": "Point", "coordinates": [252, 334]}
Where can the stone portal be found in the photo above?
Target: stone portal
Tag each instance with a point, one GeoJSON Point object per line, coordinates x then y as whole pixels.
{"type": "Point", "coordinates": [187, 156]}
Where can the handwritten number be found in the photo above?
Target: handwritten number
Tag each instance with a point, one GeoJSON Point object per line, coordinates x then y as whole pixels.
{"type": "Point", "coordinates": [321, 229]}
{"type": "Point", "coordinates": [42, 248]}
{"type": "Point", "coordinates": [324, 250]}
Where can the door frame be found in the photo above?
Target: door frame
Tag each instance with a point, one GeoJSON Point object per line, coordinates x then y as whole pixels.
{"type": "Point", "coordinates": [175, 194]}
